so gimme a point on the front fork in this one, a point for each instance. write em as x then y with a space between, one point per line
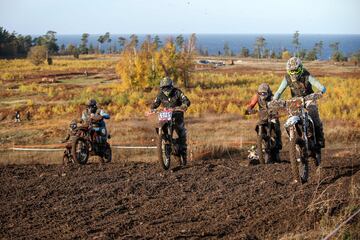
305 131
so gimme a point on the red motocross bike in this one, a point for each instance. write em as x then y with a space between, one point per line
88 140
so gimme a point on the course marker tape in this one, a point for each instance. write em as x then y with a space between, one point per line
62 149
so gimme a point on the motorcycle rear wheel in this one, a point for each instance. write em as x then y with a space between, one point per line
107 156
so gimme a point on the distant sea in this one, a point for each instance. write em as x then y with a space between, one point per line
215 42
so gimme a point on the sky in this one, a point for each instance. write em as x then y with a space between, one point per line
181 16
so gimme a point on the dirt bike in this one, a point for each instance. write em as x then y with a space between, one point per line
87 141
301 132
267 149
167 145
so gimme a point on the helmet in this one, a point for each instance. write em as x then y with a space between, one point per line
166 82
264 90
73 124
92 105
294 68
166 85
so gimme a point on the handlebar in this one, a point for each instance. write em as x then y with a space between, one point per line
294 102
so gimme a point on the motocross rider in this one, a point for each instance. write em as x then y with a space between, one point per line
71 130
171 97
300 82
261 98
96 117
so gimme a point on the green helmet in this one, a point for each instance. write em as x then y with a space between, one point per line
294 68
166 85
166 82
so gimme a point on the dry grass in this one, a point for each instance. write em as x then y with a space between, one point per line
215 118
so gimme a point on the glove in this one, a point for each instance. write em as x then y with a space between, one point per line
151 112
184 107
248 111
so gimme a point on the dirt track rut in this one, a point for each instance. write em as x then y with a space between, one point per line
208 199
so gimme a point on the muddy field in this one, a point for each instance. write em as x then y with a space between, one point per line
208 199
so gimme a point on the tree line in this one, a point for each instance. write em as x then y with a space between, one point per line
13 45
260 51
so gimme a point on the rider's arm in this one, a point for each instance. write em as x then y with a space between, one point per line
281 89
84 116
104 114
185 102
314 82
253 102
156 102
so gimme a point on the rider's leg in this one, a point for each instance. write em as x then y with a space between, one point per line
278 134
181 132
319 132
278 140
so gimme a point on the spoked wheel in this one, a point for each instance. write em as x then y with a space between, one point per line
164 152
80 151
299 162
107 157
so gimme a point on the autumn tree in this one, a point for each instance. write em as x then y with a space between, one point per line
144 67
37 55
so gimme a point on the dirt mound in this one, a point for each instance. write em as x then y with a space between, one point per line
209 198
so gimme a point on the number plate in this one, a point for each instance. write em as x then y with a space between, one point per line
165 116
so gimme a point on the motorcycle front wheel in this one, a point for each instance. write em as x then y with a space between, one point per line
299 162
164 151
80 151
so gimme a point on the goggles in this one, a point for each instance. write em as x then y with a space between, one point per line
295 72
263 94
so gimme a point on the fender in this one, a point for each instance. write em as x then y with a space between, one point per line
292 121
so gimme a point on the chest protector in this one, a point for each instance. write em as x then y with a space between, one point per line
302 87
171 101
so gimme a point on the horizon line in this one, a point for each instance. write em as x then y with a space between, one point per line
191 33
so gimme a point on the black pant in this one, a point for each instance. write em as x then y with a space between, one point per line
180 130
319 132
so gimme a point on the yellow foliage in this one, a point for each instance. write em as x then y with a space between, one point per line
139 69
